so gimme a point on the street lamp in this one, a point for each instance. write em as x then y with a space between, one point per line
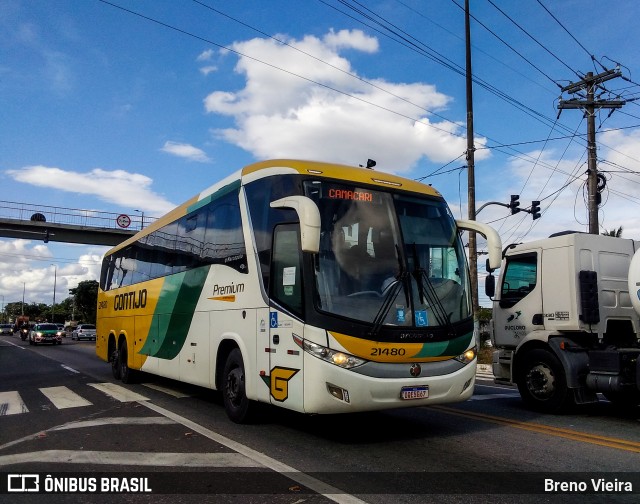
141 218
53 306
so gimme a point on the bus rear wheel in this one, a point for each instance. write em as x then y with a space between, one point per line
236 404
115 364
127 375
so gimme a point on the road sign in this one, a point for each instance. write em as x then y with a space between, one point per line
124 221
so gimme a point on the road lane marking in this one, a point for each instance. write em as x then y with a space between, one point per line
166 390
70 369
118 392
324 489
485 397
583 437
98 422
63 397
131 458
12 404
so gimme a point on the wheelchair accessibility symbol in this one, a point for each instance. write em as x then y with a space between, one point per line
273 320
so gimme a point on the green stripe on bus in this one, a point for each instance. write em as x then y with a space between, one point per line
174 313
454 347
223 191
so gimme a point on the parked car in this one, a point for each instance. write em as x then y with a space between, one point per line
45 333
6 329
84 331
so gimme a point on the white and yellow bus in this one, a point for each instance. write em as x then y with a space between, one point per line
317 287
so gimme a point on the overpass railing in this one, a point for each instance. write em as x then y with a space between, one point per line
73 216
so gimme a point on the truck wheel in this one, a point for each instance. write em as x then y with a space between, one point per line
542 382
236 404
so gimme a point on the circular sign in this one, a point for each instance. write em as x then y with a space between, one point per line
124 221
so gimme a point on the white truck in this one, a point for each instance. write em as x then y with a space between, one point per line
566 322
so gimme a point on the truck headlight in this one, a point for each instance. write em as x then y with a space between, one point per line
335 357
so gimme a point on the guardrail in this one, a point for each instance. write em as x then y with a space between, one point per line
73 216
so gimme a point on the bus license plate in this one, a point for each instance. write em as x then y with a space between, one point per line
407 393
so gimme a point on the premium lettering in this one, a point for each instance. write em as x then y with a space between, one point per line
225 290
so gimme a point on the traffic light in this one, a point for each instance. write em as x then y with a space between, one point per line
514 205
535 210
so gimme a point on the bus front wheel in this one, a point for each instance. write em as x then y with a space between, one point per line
236 403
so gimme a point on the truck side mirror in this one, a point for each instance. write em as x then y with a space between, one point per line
490 286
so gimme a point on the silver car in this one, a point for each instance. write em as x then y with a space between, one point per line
84 331
6 329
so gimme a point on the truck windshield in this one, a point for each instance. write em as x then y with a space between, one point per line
388 258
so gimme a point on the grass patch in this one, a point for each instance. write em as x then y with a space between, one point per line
485 355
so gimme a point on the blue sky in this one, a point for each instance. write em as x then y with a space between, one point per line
141 106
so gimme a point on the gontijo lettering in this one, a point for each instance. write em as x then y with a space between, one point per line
130 300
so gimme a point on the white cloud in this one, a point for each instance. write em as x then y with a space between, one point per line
279 114
27 269
206 70
185 151
116 187
205 55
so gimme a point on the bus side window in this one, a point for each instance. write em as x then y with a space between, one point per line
286 285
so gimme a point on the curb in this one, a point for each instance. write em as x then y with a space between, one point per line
485 368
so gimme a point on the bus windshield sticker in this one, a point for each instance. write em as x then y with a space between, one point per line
289 276
421 318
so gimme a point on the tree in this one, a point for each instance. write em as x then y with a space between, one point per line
86 300
616 233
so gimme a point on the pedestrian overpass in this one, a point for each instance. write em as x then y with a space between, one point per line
68 225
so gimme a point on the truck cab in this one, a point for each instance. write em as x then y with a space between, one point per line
564 326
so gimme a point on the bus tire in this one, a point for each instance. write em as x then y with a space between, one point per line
236 403
127 375
542 382
115 364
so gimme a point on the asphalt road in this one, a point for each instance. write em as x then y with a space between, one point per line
62 414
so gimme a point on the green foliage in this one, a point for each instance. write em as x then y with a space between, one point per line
485 314
616 233
86 300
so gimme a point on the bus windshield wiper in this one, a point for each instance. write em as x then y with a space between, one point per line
392 293
429 294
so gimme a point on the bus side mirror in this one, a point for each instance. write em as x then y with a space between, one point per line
309 216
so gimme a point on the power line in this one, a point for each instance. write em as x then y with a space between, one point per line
565 29
533 38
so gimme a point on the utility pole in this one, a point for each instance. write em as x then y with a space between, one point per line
471 180
589 84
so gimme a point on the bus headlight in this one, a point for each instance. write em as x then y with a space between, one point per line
341 359
467 357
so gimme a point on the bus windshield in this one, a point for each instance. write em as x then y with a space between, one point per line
388 258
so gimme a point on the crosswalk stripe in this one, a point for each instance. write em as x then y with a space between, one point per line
118 392
63 397
12 404
132 458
